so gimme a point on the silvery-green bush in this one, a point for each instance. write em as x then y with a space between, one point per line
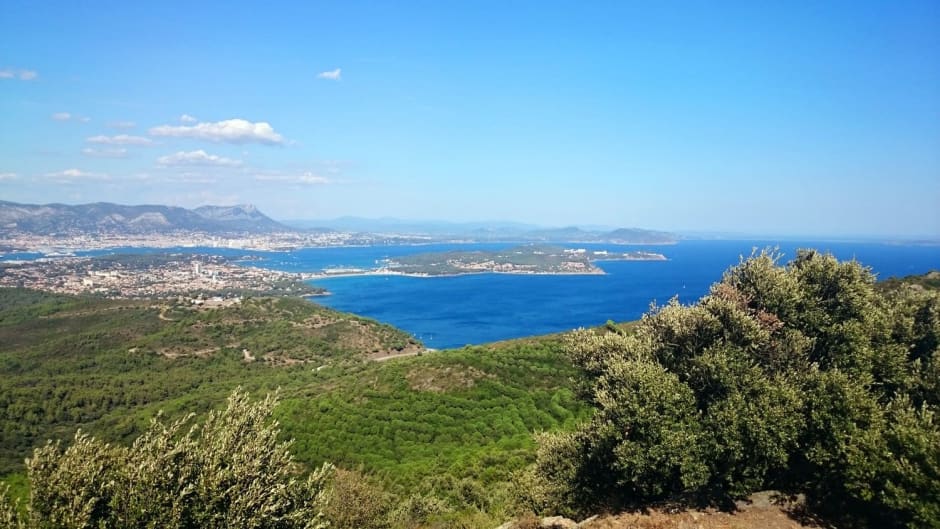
230 472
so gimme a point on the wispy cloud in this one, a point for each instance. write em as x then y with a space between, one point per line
69 176
120 139
199 157
332 75
186 177
305 178
66 116
22 75
228 131
119 152
186 118
122 124
7 176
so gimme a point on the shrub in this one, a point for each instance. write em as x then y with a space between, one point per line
804 377
229 472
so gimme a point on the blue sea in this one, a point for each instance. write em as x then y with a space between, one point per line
447 312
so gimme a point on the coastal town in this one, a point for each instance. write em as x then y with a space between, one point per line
201 276
152 276
13 241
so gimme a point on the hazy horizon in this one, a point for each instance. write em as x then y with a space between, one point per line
802 119
691 233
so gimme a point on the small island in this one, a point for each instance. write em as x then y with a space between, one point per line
526 259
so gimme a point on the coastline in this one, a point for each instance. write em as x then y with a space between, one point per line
69 245
320 276
595 271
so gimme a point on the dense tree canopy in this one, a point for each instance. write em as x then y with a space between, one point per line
804 377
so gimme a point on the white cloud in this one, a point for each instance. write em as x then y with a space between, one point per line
120 139
119 152
7 176
122 124
71 175
332 75
22 75
199 157
66 116
186 118
306 178
229 131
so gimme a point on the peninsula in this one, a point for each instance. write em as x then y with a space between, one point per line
152 276
526 259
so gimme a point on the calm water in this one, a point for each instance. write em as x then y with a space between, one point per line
455 311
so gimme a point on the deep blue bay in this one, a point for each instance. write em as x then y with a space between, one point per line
447 312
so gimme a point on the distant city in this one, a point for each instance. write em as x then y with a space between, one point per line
58 228
157 276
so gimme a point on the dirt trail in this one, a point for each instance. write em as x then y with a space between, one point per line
401 355
163 315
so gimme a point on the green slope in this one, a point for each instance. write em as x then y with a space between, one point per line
108 366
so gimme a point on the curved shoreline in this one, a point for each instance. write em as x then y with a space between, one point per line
320 276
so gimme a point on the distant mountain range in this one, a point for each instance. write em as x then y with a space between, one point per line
117 219
618 236
103 217
495 231
412 227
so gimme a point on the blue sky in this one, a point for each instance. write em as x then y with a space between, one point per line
801 118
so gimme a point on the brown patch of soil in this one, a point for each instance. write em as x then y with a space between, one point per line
764 510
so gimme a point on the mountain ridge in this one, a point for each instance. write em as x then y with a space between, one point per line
492 231
107 217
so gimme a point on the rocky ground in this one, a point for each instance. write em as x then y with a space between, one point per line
763 510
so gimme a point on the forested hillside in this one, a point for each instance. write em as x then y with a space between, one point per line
107 365
421 435
809 378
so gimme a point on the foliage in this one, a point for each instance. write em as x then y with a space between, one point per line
356 502
449 428
466 413
928 281
229 472
108 365
805 377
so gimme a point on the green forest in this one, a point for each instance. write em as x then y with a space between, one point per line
804 377
424 431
